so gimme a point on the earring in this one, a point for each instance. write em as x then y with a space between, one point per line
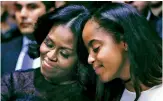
126 49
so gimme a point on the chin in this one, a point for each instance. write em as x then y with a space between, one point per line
105 79
47 75
26 31
44 73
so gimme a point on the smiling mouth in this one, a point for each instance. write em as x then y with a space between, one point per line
97 69
47 65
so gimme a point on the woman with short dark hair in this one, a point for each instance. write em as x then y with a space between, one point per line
61 76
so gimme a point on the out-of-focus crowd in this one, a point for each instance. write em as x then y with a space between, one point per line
8 21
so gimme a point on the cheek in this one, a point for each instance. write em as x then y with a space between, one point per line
111 55
36 14
17 17
43 49
141 5
69 63
111 60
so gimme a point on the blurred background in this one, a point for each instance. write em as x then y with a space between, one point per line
8 23
151 10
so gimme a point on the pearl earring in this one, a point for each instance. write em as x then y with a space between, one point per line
126 49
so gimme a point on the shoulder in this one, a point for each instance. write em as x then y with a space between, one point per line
156 93
159 21
78 93
70 92
16 39
155 20
18 78
11 46
20 85
10 34
12 43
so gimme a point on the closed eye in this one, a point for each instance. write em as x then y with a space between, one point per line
48 43
96 49
18 7
32 6
64 54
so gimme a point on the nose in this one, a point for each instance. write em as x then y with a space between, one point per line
52 55
24 12
91 59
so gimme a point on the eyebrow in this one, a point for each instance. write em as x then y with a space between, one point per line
32 3
62 46
17 4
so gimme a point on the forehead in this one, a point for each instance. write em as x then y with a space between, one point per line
93 31
91 28
62 34
23 3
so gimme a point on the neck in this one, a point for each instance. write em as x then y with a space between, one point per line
63 80
68 82
30 36
129 86
145 12
125 72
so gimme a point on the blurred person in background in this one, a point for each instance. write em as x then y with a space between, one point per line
156 7
144 9
15 52
9 28
91 5
58 4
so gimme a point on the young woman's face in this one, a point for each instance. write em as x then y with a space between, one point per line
58 53
105 55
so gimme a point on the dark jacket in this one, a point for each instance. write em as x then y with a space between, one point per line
156 23
9 54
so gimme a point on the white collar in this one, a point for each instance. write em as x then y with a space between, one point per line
26 41
149 15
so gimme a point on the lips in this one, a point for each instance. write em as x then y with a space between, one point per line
97 69
47 65
25 24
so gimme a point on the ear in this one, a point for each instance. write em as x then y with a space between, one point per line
125 46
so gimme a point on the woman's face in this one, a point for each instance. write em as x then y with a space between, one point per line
105 55
58 53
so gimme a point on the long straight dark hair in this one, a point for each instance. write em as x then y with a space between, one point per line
144 45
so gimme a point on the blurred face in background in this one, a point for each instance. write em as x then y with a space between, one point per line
2 8
27 13
58 54
59 3
141 6
8 6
